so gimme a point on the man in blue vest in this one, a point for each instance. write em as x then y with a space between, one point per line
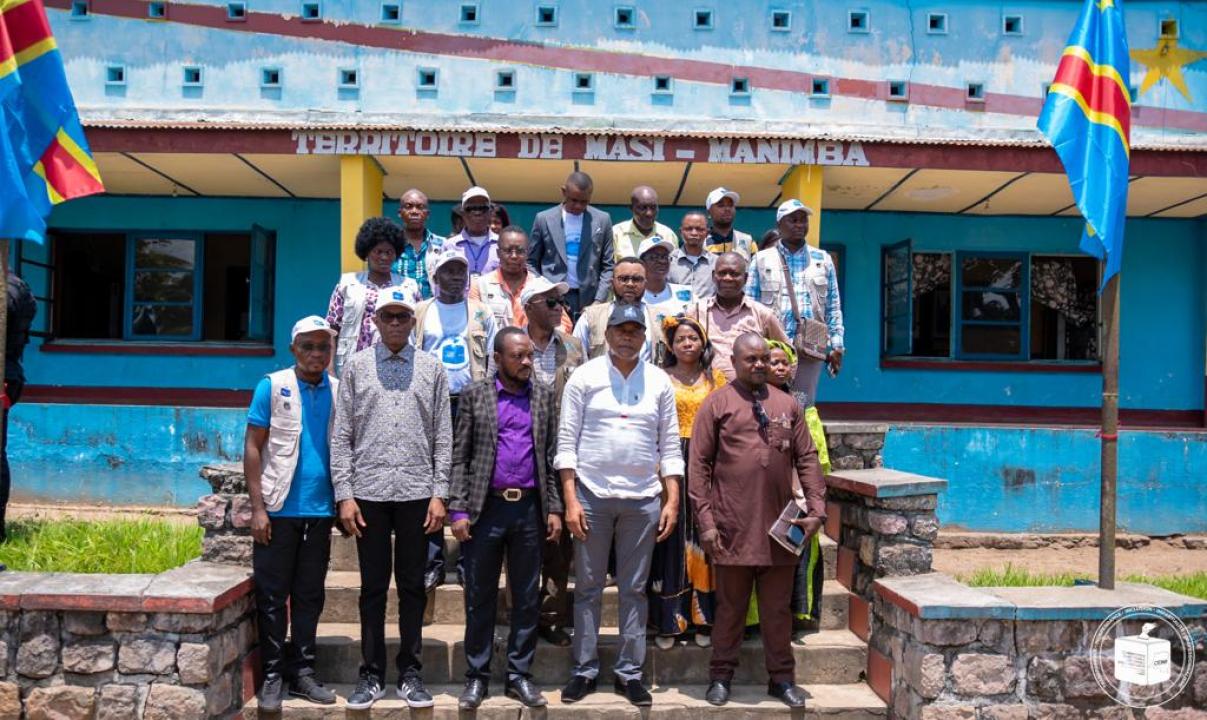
286 459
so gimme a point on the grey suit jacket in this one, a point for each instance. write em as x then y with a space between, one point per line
547 252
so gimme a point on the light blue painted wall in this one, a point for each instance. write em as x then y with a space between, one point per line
1163 299
897 47
1046 480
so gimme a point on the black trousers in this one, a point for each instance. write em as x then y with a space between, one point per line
291 568
435 541
557 599
405 520
12 389
515 531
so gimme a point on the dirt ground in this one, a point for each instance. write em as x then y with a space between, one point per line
1157 558
186 516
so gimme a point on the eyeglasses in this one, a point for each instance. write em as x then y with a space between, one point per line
630 279
389 318
314 347
761 416
476 209
512 251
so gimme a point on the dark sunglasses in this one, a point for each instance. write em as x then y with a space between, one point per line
476 209
315 347
389 318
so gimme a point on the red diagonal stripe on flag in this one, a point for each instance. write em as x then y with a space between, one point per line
66 175
1102 93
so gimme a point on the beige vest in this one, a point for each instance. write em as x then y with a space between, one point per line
279 456
352 287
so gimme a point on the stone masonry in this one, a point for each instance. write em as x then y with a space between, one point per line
125 647
951 651
855 445
226 516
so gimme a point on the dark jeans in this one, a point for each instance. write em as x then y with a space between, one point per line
290 573
435 541
13 389
376 556
517 531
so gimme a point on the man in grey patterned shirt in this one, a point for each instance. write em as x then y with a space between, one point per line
391 453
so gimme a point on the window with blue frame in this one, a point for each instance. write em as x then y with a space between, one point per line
167 287
991 306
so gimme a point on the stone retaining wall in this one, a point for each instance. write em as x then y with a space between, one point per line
945 651
226 516
173 646
854 445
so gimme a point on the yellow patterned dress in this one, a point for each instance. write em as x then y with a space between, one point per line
681 582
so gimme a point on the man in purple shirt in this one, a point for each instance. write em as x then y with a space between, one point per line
505 502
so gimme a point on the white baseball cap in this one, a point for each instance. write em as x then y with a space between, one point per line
448 256
473 192
788 207
715 196
397 296
310 323
652 242
539 286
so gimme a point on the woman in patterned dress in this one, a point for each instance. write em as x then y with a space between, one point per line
681 581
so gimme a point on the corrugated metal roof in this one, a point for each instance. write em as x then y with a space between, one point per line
974 138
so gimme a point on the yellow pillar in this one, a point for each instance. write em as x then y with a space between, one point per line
803 182
359 199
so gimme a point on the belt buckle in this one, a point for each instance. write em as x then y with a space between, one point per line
513 494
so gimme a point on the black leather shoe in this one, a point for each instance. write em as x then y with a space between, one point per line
633 691
523 690
272 692
789 694
554 636
578 688
474 693
718 692
432 580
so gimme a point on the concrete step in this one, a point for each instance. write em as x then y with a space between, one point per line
832 657
833 702
446 604
343 554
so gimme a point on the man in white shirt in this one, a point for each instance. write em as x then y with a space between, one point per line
667 299
619 426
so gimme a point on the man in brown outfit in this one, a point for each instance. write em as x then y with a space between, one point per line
740 481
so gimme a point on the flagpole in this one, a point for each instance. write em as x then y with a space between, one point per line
1109 434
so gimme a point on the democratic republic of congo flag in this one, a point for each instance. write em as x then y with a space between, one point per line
1087 118
44 158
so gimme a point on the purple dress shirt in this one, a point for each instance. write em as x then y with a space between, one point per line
515 457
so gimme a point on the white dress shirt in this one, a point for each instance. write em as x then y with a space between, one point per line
616 432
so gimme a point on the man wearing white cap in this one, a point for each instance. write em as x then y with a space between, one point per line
459 333
476 242
391 454
287 463
800 282
722 207
628 235
666 299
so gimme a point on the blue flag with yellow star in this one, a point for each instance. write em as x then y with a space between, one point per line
1087 118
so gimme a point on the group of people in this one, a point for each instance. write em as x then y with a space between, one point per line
616 399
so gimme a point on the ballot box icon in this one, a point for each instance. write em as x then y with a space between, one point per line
1142 660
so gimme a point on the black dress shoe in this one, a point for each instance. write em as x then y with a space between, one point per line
789 694
432 580
523 690
718 692
554 636
579 687
633 691
474 693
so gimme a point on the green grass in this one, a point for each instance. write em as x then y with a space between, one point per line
1192 584
106 546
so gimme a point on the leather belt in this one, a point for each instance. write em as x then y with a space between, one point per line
513 494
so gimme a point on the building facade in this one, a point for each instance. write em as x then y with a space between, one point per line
242 143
